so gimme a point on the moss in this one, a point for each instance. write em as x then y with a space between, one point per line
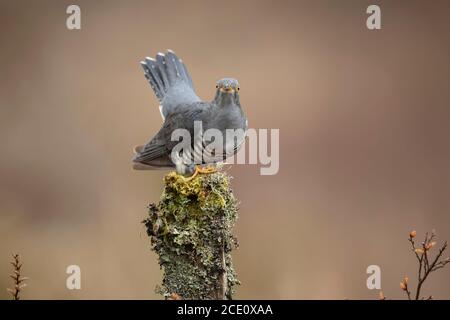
191 231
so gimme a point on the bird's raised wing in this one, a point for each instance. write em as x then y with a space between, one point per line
170 80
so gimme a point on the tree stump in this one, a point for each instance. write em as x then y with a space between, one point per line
191 231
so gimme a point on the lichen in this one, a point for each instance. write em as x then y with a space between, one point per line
191 231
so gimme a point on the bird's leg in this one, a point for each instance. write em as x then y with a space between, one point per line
199 169
193 175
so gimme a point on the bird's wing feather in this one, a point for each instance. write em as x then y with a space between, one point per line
161 144
170 80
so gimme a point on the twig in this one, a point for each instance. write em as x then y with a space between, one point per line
17 278
404 287
425 267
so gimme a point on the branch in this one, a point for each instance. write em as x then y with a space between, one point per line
423 258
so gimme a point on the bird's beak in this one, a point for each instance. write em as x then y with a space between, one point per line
227 89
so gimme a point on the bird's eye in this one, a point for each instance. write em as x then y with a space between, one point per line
238 88
217 86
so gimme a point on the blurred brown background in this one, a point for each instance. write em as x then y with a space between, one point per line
364 126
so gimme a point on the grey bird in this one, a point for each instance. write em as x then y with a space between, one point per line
180 108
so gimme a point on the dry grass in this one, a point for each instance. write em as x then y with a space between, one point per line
19 281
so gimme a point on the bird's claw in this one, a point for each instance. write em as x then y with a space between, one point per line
199 170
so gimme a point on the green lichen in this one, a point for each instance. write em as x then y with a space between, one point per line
191 231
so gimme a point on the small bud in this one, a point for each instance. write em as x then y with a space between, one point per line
430 245
404 284
419 250
381 295
413 234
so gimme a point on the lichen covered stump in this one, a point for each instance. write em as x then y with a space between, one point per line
191 231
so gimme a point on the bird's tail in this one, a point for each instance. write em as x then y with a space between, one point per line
165 72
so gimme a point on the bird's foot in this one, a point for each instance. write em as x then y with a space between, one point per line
199 170
206 170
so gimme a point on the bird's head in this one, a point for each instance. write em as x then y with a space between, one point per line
227 91
227 85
